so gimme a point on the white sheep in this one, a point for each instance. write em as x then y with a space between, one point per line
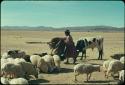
10 60
50 62
5 55
39 63
12 70
57 61
4 80
29 69
18 81
34 59
105 66
122 59
85 69
114 67
42 66
3 61
121 75
18 60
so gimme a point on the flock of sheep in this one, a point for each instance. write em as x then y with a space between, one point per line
112 66
18 68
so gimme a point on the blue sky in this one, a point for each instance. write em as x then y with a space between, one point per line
62 13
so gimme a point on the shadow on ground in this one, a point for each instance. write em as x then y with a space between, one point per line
66 70
97 59
62 70
100 81
38 81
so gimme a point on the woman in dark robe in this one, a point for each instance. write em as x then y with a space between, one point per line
70 50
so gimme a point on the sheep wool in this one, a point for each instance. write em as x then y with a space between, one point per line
39 62
121 75
50 62
114 67
85 69
105 66
122 59
57 61
18 81
4 80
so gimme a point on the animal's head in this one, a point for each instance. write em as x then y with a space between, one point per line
27 58
12 52
80 45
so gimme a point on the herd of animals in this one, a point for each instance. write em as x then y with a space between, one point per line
17 67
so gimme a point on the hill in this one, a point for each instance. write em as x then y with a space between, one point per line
76 28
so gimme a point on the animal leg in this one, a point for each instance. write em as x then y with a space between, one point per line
85 54
112 74
81 56
67 61
76 76
74 60
89 76
99 56
105 74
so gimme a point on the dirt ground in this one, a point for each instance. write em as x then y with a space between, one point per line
113 44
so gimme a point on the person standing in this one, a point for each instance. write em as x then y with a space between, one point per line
70 50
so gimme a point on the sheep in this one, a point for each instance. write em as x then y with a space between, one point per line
121 75
114 67
29 69
3 61
105 66
57 61
12 70
85 69
39 63
18 60
50 62
117 56
14 54
17 53
18 68
5 55
34 59
122 59
4 80
42 66
11 60
18 81
27 58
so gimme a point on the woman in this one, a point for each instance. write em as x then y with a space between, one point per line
70 50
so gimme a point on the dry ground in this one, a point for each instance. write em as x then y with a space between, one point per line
113 43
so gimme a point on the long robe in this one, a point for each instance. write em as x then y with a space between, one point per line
70 50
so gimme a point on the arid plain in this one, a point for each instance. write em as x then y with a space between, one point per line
113 44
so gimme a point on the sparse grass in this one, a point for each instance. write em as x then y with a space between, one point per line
113 43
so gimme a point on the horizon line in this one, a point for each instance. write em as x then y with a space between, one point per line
61 26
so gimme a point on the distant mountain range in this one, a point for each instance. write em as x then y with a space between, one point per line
76 28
